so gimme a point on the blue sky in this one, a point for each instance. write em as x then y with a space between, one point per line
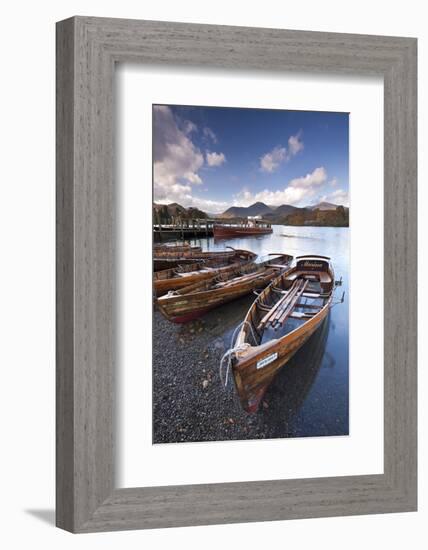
215 157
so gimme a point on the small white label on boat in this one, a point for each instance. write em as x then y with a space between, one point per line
266 360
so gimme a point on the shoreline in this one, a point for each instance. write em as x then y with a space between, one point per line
189 402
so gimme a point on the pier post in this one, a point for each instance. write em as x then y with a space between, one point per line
159 225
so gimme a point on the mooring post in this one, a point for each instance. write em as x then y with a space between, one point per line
159 225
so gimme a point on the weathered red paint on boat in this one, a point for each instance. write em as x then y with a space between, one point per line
189 316
239 231
254 405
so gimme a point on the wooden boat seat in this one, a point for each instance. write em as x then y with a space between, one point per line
278 290
302 314
324 277
187 273
277 266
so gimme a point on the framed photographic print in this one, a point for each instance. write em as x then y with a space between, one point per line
236 274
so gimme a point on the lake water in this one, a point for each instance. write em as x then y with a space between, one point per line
310 395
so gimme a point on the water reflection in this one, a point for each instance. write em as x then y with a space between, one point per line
291 386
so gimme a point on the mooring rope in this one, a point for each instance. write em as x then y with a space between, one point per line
234 349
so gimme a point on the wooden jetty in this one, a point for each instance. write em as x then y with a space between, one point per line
180 228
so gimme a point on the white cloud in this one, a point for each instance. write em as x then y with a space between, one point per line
177 161
317 177
340 196
213 207
269 162
183 195
176 158
215 159
333 182
294 145
297 192
193 178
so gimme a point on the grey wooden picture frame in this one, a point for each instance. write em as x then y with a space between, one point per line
87 51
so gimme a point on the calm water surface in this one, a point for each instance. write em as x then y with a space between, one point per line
310 394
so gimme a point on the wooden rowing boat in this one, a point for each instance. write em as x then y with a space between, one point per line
162 263
194 300
171 251
174 248
278 323
168 260
222 231
186 274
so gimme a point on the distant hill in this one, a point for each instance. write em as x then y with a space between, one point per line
269 213
279 215
322 214
166 212
256 209
324 206
285 209
339 217
174 209
195 213
272 212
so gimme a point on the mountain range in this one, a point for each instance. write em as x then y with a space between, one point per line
323 213
266 211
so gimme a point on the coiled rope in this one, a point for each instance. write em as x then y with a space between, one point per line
234 349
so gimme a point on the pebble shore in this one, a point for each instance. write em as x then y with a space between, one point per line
189 402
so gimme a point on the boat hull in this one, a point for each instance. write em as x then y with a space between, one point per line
191 316
181 309
159 264
164 282
170 260
252 380
175 249
194 301
226 232
162 286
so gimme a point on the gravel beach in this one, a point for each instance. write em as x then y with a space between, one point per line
190 403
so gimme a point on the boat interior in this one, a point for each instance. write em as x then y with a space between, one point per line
242 274
291 300
201 266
